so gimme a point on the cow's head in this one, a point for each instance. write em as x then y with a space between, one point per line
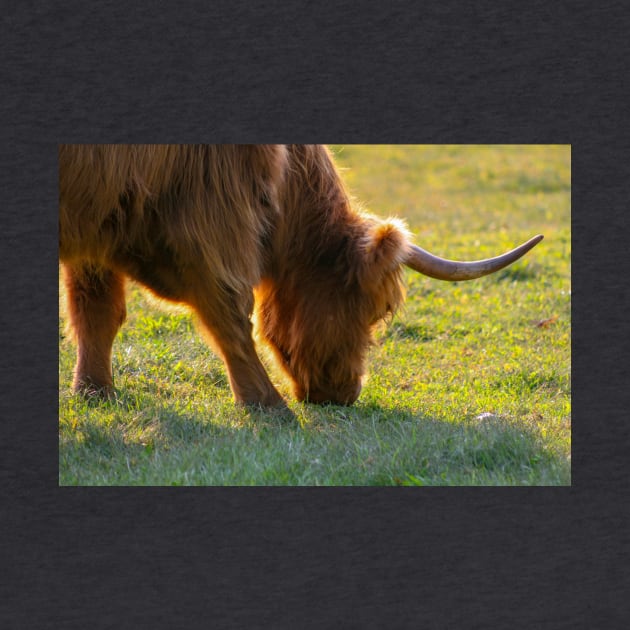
320 320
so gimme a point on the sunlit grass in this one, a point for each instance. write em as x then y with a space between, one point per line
468 385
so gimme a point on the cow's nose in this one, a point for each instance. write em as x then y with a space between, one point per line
337 396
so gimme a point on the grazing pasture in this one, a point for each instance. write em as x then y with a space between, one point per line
469 384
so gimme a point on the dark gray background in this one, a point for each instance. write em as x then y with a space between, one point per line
246 71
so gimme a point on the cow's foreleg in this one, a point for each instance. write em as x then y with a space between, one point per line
96 309
226 319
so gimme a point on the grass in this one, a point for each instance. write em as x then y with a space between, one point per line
468 385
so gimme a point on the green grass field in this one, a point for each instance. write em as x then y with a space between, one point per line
470 384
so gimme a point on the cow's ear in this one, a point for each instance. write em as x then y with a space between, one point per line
385 247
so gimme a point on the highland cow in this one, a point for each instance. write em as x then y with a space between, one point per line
236 231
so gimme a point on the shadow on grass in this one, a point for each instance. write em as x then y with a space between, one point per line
408 448
366 444
132 421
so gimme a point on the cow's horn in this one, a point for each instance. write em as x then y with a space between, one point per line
442 269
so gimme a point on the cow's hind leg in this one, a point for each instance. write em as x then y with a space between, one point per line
96 309
225 315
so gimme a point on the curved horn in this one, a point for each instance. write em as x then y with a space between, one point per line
442 269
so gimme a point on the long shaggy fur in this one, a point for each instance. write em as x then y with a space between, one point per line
207 225
334 274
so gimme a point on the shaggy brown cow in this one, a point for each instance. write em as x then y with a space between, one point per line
229 229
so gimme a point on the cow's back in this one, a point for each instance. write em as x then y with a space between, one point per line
205 204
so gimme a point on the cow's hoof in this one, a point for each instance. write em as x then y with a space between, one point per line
94 393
